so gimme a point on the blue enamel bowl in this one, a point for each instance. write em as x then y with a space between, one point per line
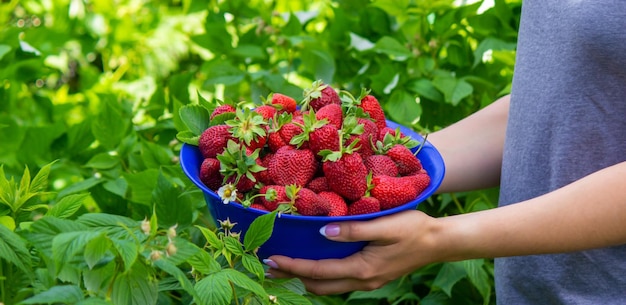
298 236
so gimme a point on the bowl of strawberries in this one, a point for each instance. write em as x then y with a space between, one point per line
330 157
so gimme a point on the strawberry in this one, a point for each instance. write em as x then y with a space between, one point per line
405 159
292 166
393 191
250 128
240 165
292 129
345 172
381 165
309 203
318 184
210 173
420 180
286 103
365 205
371 106
338 206
275 141
319 95
259 206
333 113
213 140
276 196
324 138
384 131
264 175
266 111
226 108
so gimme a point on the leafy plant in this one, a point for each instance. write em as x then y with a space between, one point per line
91 95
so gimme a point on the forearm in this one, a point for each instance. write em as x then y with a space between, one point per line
472 148
588 213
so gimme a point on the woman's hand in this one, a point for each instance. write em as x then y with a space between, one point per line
399 244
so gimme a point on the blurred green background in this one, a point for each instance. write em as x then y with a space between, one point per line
90 92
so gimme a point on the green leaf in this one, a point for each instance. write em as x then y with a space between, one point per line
66 294
479 277
402 107
141 185
390 46
178 274
453 89
96 249
42 232
204 263
102 161
67 206
13 250
424 88
8 222
67 246
4 49
252 264
243 281
127 250
359 43
450 274
287 297
211 238
233 245
195 117
109 134
188 137
214 289
135 287
170 207
259 231
80 186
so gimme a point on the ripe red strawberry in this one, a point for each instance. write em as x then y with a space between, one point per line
333 113
278 197
213 140
259 206
366 138
381 165
325 137
292 166
275 141
371 106
319 95
222 109
365 205
309 203
266 111
405 159
345 172
264 175
420 180
318 185
244 184
338 206
393 191
286 103
250 128
386 130
290 130
210 173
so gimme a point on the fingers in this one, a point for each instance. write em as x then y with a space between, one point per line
381 229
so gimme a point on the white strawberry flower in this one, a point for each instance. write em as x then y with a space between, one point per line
227 193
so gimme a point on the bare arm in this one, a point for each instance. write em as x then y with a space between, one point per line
472 148
588 213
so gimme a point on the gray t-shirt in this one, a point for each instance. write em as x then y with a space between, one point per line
567 120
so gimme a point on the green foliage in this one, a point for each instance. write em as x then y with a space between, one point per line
95 101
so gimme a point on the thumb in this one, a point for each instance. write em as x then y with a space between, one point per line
379 229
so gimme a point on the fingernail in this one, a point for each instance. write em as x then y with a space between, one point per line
269 275
330 230
270 263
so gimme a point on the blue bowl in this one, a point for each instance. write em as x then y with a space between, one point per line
298 236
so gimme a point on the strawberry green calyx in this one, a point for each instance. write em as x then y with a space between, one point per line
312 93
236 161
289 207
389 140
310 124
247 126
333 156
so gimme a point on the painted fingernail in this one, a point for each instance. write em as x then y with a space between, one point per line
270 263
330 230
269 275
